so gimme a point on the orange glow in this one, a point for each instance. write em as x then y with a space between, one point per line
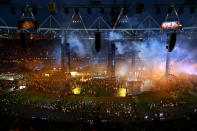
28 25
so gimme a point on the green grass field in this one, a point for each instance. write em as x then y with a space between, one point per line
141 100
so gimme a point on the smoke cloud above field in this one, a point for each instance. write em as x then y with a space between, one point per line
152 50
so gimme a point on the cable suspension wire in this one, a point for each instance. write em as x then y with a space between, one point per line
94 22
81 19
69 24
174 14
148 18
83 24
118 19
105 22
5 24
44 21
100 18
58 24
127 20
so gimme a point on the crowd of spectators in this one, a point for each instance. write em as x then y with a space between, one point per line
4 84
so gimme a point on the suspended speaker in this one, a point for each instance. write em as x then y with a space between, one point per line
97 41
139 7
172 42
52 8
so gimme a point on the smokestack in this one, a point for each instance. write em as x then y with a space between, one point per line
133 64
62 57
68 56
111 60
113 49
168 64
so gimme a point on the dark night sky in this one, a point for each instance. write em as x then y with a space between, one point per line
186 18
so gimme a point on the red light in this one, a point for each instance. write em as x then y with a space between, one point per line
32 36
171 25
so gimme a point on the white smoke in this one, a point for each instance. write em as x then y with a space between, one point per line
115 36
79 46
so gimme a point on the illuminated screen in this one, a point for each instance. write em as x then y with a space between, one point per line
28 25
171 25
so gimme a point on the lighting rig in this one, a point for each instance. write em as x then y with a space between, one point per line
171 26
27 22
123 18
28 11
76 17
102 7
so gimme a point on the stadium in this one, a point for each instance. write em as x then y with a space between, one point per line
98 65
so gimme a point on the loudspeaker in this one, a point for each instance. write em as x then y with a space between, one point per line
97 41
172 42
52 7
139 7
